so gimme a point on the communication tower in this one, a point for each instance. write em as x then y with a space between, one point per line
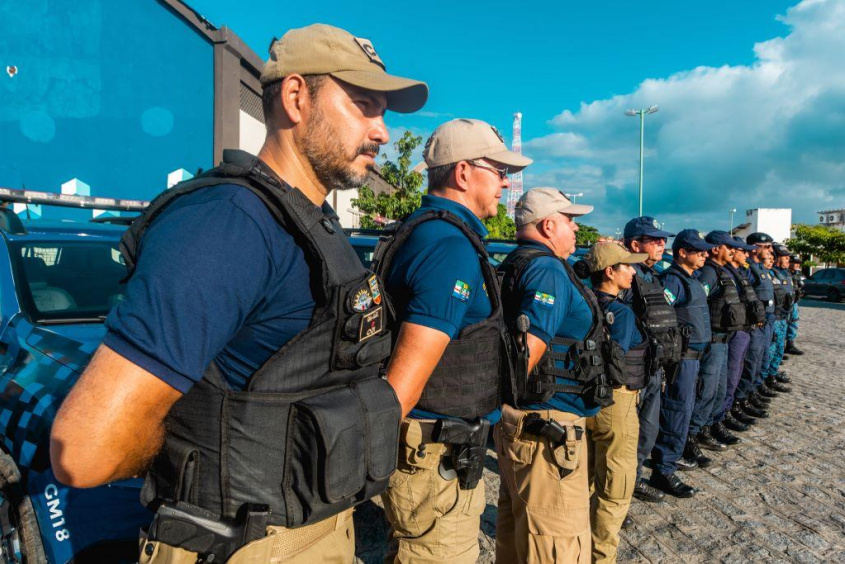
515 191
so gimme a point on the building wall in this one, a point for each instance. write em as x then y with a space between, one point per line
777 222
833 218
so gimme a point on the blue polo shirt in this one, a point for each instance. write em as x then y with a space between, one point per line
555 308
218 280
435 279
624 328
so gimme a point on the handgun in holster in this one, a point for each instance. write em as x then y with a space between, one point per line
469 447
195 529
557 435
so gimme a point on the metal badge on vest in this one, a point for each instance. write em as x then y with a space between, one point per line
467 382
317 429
586 356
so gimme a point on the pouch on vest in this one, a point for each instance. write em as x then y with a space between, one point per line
614 363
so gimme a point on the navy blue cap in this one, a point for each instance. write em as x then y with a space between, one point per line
795 259
690 239
717 237
645 226
780 250
758 237
740 244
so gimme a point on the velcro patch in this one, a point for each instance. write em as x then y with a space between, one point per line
461 290
368 48
547 300
372 324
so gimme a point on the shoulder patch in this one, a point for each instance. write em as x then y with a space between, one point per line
547 300
706 289
670 297
461 290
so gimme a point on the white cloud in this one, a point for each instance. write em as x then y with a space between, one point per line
770 134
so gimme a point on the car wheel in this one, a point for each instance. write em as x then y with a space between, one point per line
833 295
20 538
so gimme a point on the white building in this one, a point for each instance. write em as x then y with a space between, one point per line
833 218
777 222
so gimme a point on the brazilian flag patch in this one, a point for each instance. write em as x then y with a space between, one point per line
461 290
547 300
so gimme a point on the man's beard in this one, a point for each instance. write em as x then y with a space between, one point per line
325 154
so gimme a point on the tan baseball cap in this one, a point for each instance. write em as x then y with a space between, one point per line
467 139
323 49
540 203
610 253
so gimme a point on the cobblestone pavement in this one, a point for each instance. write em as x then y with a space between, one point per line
779 496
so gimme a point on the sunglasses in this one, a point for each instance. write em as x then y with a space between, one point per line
502 172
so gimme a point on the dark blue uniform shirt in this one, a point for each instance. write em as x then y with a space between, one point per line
555 308
218 280
624 328
435 279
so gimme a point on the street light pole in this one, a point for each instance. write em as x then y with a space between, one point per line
642 113
731 225
572 197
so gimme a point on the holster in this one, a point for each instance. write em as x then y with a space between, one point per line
562 438
469 447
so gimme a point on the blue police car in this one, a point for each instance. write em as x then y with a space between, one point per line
58 281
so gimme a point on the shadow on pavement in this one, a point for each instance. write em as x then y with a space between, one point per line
821 304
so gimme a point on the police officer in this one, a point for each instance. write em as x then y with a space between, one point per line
798 279
544 500
645 235
784 295
727 314
447 363
614 431
725 417
688 297
751 389
227 270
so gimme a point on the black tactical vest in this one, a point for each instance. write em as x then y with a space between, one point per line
695 312
755 309
634 364
763 285
784 292
316 430
659 320
586 357
727 312
468 380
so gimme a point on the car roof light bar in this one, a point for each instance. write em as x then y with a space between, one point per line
69 200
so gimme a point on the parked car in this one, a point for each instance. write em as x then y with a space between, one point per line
58 282
826 283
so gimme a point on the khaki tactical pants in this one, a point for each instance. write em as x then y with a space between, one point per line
431 518
331 540
543 517
612 440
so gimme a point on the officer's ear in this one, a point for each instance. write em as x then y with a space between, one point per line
294 97
460 175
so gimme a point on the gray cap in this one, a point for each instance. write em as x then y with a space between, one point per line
469 139
540 203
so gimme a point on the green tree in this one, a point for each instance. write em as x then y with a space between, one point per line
501 226
823 242
587 235
407 196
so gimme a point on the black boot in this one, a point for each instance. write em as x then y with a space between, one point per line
777 386
644 492
792 349
753 411
627 522
693 452
766 392
760 399
757 402
721 434
735 424
685 464
783 378
671 484
741 416
706 440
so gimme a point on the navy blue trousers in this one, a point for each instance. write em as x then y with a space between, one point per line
676 404
649 415
737 348
758 347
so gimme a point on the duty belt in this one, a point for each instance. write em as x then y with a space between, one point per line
692 355
721 337
468 442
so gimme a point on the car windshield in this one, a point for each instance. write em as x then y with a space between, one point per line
68 281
